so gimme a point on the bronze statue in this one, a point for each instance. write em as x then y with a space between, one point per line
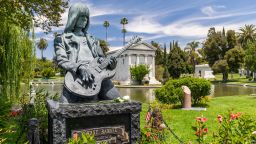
76 50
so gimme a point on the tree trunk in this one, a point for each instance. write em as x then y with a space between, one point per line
42 54
106 34
224 76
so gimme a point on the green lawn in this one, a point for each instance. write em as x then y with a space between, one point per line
234 79
181 121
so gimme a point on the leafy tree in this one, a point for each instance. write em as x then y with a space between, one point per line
48 72
235 58
177 62
106 25
215 48
158 53
45 14
247 35
138 72
42 45
221 66
192 54
104 46
250 54
231 39
124 21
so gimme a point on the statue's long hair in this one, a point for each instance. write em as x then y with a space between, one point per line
75 11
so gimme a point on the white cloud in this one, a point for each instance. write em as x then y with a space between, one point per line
208 10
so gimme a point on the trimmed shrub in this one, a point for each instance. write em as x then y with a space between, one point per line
172 93
48 72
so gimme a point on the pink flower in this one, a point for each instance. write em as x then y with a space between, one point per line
219 118
201 119
75 136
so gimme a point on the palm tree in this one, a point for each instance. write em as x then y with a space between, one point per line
247 34
42 45
124 21
193 45
106 25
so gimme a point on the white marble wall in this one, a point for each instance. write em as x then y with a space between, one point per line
133 57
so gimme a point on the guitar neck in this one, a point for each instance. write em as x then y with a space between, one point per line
104 64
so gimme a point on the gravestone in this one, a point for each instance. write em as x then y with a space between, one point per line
87 101
110 122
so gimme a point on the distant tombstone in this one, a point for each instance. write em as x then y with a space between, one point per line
187 97
33 132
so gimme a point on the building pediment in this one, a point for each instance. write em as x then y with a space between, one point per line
142 46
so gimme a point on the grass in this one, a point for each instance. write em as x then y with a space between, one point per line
234 79
181 121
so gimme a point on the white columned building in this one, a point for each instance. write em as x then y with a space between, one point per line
140 53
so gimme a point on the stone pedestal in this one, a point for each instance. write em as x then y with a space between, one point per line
187 97
110 122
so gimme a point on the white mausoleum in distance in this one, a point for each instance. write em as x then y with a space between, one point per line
140 53
204 71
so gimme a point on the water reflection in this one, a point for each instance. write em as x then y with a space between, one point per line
147 94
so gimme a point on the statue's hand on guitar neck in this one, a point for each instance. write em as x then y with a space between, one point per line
85 74
112 63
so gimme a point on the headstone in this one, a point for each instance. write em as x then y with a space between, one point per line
109 122
187 97
33 132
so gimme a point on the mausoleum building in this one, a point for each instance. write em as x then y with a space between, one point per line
140 53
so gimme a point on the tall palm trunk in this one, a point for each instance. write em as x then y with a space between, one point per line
106 34
123 36
42 53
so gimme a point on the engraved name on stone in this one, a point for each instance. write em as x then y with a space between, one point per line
116 134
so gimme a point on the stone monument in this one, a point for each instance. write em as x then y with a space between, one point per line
86 104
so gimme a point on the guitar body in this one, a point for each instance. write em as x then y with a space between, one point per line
74 84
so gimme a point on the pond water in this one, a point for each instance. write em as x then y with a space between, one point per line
147 94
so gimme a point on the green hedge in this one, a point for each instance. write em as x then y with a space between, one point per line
171 92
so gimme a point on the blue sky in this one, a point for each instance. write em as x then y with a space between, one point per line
160 20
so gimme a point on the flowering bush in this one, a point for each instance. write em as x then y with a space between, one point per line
235 128
154 130
200 129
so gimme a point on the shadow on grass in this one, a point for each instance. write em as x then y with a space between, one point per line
204 105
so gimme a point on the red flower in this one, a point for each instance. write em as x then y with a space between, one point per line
75 136
238 115
201 119
219 118
148 134
13 113
234 116
205 130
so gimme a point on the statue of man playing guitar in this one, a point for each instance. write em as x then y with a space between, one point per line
75 50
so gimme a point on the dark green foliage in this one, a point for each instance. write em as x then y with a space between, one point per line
16 60
45 66
172 93
215 49
46 13
235 58
221 66
48 72
138 72
177 62
37 110
250 56
159 53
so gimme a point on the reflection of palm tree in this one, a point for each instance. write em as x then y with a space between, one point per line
42 45
124 21
193 45
247 34
106 25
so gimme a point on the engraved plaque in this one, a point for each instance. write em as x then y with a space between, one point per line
110 135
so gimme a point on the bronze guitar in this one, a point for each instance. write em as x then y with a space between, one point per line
77 86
